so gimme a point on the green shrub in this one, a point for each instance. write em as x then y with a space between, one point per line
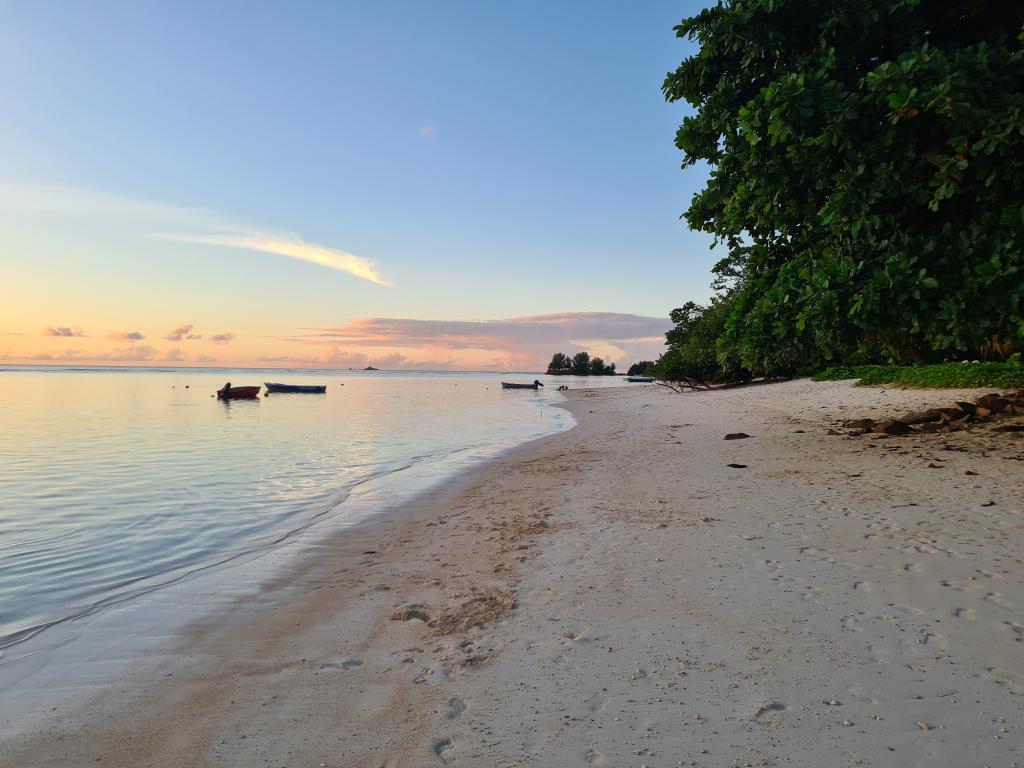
944 375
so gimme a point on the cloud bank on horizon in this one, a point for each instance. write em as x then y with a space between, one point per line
519 343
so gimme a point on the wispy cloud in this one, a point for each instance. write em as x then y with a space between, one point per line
291 246
127 336
62 330
177 224
222 338
183 332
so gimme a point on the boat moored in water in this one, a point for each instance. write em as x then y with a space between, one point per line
306 389
227 392
640 379
536 385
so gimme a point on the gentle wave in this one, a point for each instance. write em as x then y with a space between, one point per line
119 482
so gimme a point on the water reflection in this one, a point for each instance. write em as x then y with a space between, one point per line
116 481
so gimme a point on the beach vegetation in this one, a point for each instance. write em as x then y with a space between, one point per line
1008 374
693 352
643 368
866 185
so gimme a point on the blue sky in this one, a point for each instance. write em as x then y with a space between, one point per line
492 160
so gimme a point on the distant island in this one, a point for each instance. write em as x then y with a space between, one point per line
580 364
370 368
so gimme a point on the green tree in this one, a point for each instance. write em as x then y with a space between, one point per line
867 175
560 363
597 367
581 364
693 345
643 368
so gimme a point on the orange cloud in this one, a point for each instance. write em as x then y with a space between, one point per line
134 354
222 338
62 330
132 336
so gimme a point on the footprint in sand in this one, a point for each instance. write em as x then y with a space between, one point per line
454 708
769 708
441 748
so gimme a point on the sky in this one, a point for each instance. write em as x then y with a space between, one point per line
450 185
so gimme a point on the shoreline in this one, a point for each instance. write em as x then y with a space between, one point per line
142 625
617 595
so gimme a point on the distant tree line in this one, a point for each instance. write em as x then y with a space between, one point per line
580 364
867 184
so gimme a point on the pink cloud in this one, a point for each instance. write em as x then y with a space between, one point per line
174 355
222 338
183 332
132 336
62 330
520 342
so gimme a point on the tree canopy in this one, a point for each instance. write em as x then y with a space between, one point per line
867 177
580 364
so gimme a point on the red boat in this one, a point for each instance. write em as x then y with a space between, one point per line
227 392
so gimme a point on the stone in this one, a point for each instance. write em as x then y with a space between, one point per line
892 427
859 424
920 417
736 436
993 403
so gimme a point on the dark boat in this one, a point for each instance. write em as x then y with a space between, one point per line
306 389
536 384
641 379
228 392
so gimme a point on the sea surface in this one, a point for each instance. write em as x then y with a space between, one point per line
118 482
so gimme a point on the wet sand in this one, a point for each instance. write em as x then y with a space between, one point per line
618 595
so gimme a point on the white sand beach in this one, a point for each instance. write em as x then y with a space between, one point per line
618 595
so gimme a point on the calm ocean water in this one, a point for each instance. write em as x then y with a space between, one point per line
115 482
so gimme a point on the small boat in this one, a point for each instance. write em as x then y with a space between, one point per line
640 379
536 384
306 389
227 392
